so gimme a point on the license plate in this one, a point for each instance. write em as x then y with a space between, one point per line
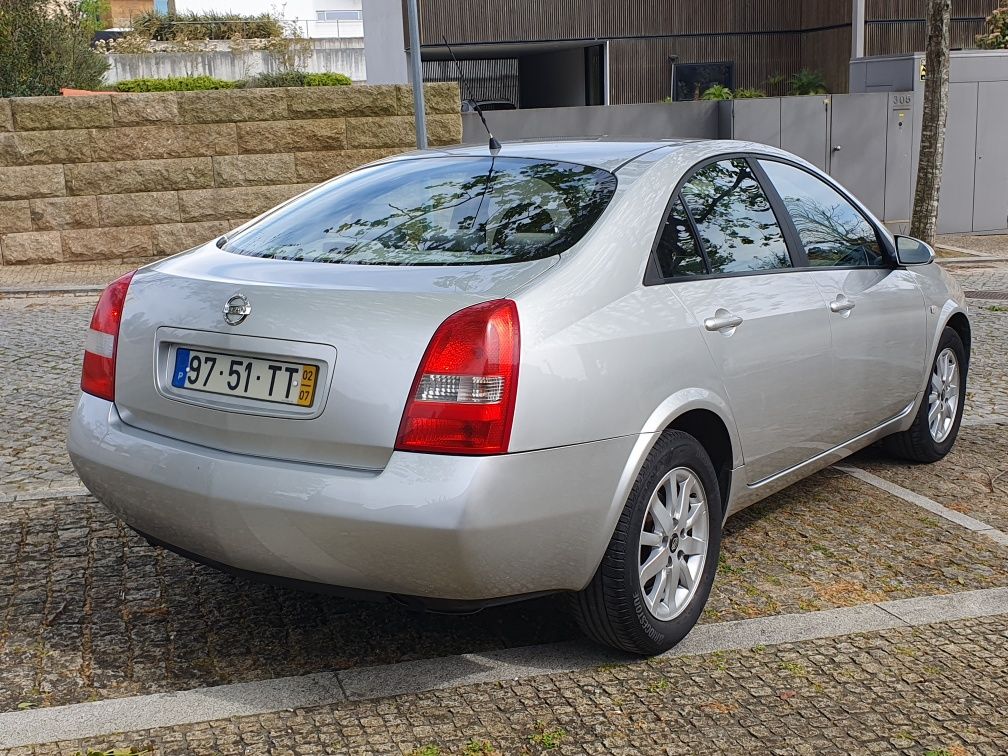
250 377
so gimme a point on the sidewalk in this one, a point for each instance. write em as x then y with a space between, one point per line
72 278
901 690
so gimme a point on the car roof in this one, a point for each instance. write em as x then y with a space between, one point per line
598 153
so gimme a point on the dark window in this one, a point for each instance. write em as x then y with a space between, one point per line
691 80
677 252
737 226
832 231
436 211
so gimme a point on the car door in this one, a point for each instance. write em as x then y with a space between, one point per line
876 311
724 255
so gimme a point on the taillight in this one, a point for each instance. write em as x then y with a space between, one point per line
463 396
98 374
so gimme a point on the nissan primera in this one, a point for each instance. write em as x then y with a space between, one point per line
460 378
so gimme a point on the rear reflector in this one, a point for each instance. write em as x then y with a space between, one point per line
463 396
98 373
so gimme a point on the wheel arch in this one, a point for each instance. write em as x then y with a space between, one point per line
699 412
959 323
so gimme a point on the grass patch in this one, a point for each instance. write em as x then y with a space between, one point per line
479 748
548 739
795 668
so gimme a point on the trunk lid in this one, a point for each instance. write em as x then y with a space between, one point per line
365 327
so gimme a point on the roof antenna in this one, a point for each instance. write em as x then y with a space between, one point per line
495 146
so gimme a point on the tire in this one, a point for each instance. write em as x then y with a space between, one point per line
614 609
918 443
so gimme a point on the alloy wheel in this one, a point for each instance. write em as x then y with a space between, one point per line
673 543
943 398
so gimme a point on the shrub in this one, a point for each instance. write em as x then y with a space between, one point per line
807 82
262 81
173 27
749 94
297 79
717 92
996 36
45 46
174 84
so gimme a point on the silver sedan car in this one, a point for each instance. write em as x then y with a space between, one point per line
458 378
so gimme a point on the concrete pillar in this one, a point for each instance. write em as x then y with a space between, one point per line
857 29
385 56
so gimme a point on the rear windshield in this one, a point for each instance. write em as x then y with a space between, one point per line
436 211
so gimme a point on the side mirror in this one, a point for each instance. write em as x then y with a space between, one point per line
910 251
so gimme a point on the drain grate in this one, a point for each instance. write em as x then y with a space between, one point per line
982 294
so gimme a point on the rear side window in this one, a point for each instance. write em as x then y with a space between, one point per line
677 252
737 226
437 211
832 231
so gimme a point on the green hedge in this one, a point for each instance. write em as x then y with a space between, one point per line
262 81
174 84
297 79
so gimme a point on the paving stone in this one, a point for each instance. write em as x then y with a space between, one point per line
972 479
912 690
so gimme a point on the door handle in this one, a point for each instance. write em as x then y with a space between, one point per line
841 304
722 321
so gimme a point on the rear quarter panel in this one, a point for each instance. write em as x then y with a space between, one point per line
602 354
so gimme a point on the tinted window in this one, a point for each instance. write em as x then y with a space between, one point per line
436 211
677 252
832 230
737 226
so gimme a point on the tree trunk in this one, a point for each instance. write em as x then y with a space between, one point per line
932 148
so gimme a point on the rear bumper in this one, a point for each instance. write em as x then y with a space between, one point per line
442 527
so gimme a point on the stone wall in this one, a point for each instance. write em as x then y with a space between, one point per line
130 176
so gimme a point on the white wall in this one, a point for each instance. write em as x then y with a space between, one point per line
345 56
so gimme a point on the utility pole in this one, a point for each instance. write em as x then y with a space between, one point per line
419 116
932 148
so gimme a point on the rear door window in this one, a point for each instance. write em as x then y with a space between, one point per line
436 211
737 225
833 232
678 253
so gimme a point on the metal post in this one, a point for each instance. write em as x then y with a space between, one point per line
857 29
419 116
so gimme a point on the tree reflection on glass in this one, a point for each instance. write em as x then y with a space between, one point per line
437 211
832 231
677 251
737 226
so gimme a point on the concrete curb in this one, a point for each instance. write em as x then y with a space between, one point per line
8 292
970 523
102 718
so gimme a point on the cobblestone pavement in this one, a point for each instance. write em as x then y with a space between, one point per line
937 689
41 344
89 610
972 479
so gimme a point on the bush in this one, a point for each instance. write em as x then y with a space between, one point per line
297 79
717 92
996 36
174 84
179 27
749 94
262 81
46 45
807 82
